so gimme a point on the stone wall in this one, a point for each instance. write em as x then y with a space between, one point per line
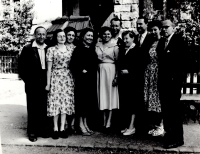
127 11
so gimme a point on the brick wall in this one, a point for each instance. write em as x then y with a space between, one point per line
127 11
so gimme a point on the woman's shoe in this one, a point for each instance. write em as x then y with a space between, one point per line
89 130
129 132
123 131
103 129
108 130
63 134
84 132
151 131
73 130
159 131
55 135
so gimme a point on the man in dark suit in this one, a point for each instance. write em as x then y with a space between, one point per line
32 70
143 43
171 55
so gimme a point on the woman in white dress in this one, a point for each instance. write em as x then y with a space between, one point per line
107 89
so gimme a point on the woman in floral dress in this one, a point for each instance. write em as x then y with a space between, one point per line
59 80
151 93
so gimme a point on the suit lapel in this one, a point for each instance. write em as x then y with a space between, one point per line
45 50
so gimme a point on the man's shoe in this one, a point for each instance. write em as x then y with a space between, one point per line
129 132
173 145
32 137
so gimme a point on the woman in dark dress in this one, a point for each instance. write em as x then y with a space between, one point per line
84 69
126 83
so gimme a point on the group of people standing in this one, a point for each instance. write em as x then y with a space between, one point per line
124 81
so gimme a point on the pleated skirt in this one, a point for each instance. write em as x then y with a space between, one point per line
108 97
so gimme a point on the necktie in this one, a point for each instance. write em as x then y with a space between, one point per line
166 43
140 40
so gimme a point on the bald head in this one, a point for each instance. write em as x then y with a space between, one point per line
167 28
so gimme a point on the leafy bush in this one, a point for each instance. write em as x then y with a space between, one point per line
15 29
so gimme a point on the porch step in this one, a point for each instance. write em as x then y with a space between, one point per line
9 76
194 97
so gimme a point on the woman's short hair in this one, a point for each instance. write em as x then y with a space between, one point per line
154 23
132 34
69 29
84 31
104 29
54 40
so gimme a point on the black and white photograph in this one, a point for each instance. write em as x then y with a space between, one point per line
99 76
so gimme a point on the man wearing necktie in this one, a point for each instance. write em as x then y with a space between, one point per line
171 55
143 43
32 70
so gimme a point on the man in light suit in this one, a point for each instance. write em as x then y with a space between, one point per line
116 26
171 55
32 70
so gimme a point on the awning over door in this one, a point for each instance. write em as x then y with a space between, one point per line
78 22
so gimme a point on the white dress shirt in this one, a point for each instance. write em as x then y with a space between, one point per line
41 52
168 39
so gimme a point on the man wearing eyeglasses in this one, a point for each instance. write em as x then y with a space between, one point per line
171 54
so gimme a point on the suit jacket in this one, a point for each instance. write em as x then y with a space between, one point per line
171 65
145 47
30 69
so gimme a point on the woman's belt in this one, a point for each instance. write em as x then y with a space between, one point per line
106 62
60 68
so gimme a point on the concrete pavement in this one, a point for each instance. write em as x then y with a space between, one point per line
13 123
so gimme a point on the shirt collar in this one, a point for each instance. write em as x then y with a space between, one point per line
144 34
170 37
131 47
35 44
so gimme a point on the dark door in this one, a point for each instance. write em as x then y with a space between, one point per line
98 10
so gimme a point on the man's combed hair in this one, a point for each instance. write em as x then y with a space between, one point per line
116 19
144 18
